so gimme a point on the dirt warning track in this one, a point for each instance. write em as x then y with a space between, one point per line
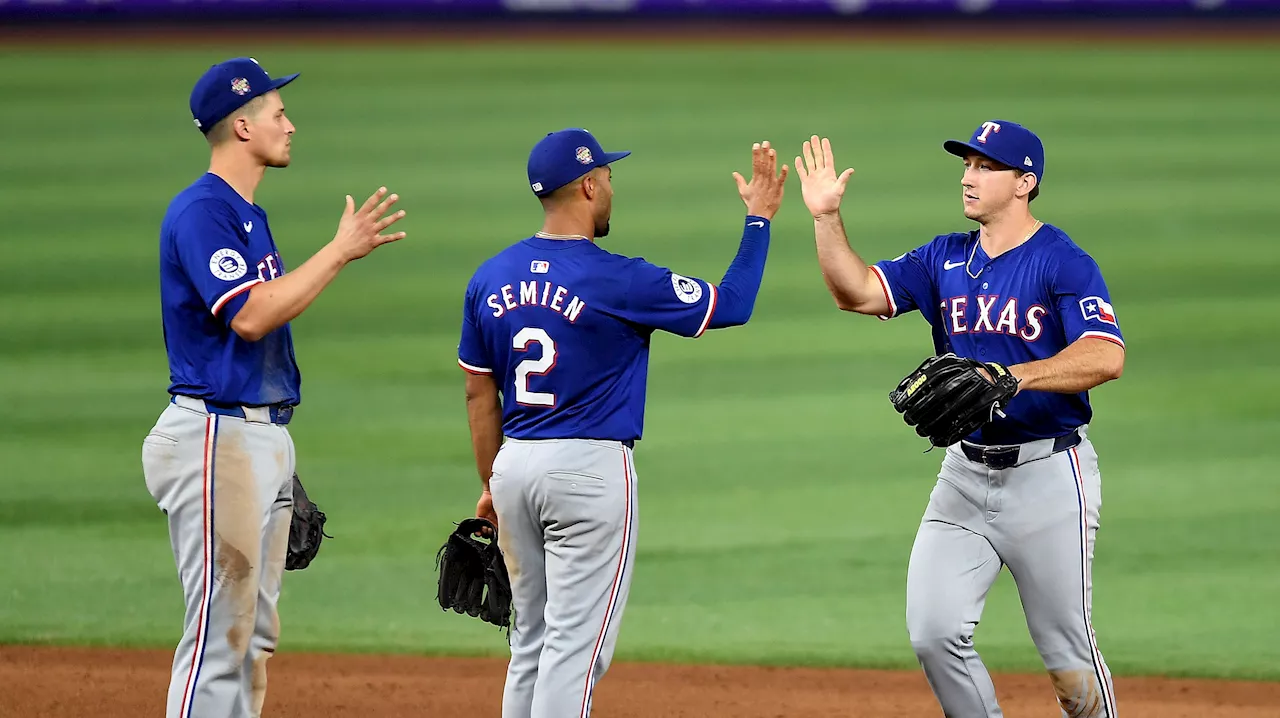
44 682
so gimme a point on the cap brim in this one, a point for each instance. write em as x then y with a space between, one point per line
282 81
961 149
611 157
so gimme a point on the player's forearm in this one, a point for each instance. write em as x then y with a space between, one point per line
740 286
848 278
484 415
1083 365
273 304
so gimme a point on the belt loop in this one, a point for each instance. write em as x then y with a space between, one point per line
257 414
190 402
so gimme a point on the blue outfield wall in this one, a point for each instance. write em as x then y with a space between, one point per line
138 10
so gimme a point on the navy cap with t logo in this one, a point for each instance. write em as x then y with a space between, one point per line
564 156
1008 143
227 86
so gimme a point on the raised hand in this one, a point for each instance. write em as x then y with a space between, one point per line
763 194
359 230
819 185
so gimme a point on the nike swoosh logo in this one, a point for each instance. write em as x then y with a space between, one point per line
248 226
755 224
951 265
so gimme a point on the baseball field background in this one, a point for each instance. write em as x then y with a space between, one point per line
779 491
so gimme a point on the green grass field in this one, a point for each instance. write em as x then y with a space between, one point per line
780 492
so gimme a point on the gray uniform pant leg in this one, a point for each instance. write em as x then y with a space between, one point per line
1048 546
952 567
1040 519
567 519
224 484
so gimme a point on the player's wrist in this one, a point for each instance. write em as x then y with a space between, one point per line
336 254
1022 374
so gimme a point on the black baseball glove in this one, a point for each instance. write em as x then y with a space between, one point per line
947 398
306 529
473 574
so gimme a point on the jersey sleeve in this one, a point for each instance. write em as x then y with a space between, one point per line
906 280
473 356
209 247
1084 302
658 298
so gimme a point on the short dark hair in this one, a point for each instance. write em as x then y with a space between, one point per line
222 131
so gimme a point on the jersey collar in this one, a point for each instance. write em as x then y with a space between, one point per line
978 259
220 185
543 243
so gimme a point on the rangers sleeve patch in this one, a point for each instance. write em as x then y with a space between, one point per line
1098 309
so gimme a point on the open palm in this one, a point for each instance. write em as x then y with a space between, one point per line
819 185
763 194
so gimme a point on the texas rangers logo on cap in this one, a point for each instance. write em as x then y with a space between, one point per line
584 155
1006 142
240 86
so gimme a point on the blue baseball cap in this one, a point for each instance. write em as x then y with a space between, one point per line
1008 143
564 156
227 86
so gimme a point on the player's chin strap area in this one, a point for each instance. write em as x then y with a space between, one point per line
1005 457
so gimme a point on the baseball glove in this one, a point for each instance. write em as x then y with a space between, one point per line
947 398
473 575
306 529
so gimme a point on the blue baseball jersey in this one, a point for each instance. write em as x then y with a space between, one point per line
564 327
214 247
1026 304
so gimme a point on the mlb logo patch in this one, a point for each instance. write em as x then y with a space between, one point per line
1098 309
539 266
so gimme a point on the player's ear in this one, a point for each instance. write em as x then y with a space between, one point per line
1027 181
240 128
589 187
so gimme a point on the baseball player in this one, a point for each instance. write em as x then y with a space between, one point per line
1023 491
560 329
219 461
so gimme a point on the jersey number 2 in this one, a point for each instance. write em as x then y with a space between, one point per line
534 367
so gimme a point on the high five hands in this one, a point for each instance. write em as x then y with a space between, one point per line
821 188
819 185
763 194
